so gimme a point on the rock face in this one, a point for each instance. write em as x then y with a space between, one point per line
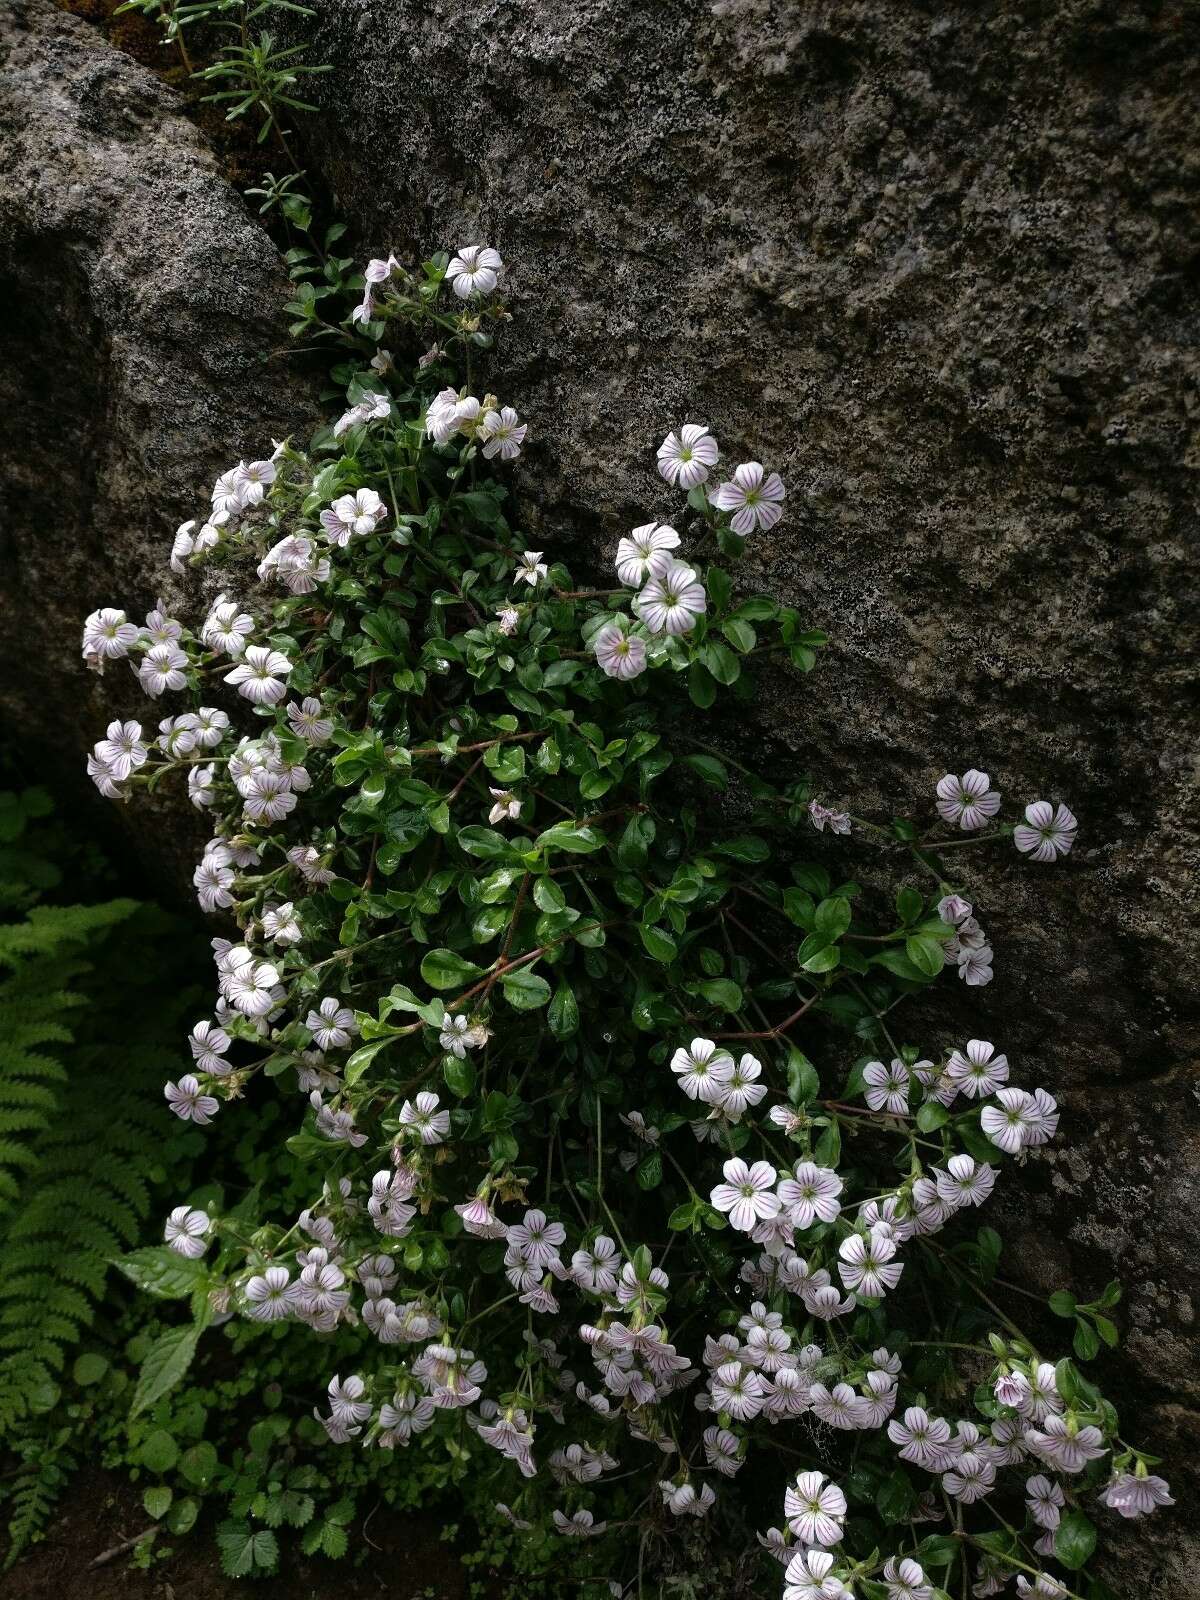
937 264
140 301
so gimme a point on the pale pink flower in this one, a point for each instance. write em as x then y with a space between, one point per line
755 499
967 801
1046 833
747 1193
619 654
685 457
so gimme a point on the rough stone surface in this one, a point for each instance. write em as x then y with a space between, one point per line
139 303
938 264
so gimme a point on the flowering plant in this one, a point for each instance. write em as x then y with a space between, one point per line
544 972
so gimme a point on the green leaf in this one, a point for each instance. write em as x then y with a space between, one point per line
895 1497
702 688
1086 1342
1074 1540
925 953
459 1075
159 1270
1107 1330
445 969
683 1216
525 990
908 904
710 769
565 836
563 1015
633 849
199 1464
747 847
1062 1303
938 1550
833 917
723 993
361 1059
157 1501
159 1451
166 1361
896 961
485 843
818 953
243 1551
658 944
547 896
649 1172
803 1082
932 1115
740 634
89 1368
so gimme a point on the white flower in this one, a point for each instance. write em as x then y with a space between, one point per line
267 796
308 723
980 1071
755 499
815 1509
810 1194
252 480
226 629
504 434
887 1087
1134 1494
260 676
505 806
685 457
1007 1123
122 750
645 553
741 1089
619 654
970 1478
537 1238
747 1193
703 1070
251 988
1042 1118
1064 1445
967 801
1046 833
213 879
905 1579
281 925
270 1295
738 1390
809 1576
441 416
922 1438
211 727
867 1266
161 669
353 516
208 1044
474 270
107 636
331 1025
531 568
1045 1500
672 599
422 1114
964 1182
184 1231
188 1103
975 966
